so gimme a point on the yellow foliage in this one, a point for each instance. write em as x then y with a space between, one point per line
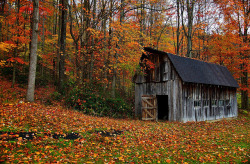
1 19
2 63
6 46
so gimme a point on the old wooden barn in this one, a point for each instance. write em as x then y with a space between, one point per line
182 89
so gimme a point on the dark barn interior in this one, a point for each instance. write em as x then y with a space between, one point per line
162 101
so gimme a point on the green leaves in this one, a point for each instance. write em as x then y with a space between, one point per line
98 105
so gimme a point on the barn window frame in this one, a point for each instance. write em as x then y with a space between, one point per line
166 71
197 103
206 103
214 103
221 103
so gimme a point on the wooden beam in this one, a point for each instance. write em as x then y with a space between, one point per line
149 113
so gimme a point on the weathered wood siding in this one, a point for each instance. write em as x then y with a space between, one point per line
167 82
186 101
206 102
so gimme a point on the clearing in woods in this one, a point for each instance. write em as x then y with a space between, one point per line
34 132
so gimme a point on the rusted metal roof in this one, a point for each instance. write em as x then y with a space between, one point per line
196 71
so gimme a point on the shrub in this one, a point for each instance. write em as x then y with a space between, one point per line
22 73
56 96
98 105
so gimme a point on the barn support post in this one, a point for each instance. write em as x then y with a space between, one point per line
138 92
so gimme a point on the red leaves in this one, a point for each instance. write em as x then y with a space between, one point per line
17 59
9 42
150 64
140 142
27 8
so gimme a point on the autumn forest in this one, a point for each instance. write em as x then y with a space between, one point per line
100 42
61 55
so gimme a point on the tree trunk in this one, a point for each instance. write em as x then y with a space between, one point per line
178 29
85 21
33 53
76 42
42 47
244 93
2 14
189 31
54 47
92 42
109 46
245 57
16 48
55 18
58 41
190 10
62 45
142 22
105 58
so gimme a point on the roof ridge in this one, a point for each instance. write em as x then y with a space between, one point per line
198 71
185 57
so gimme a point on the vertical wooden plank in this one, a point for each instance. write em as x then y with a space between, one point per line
185 118
174 100
180 101
143 105
149 108
171 111
137 100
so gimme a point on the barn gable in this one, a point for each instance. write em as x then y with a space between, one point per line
195 71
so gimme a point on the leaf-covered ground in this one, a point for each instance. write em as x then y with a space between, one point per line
107 140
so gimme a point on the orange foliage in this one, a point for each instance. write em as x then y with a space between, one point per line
139 142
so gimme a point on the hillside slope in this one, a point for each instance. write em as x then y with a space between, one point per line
103 140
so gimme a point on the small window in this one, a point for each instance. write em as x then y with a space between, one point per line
205 102
165 72
157 72
214 102
221 102
197 103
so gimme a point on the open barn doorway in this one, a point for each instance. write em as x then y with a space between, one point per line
162 102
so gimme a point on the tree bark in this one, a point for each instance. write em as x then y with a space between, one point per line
190 10
105 57
142 22
178 28
113 82
59 23
17 43
189 31
33 53
85 22
245 57
62 45
2 14
93 42
76 41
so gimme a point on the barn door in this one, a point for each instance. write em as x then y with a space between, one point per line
149 107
